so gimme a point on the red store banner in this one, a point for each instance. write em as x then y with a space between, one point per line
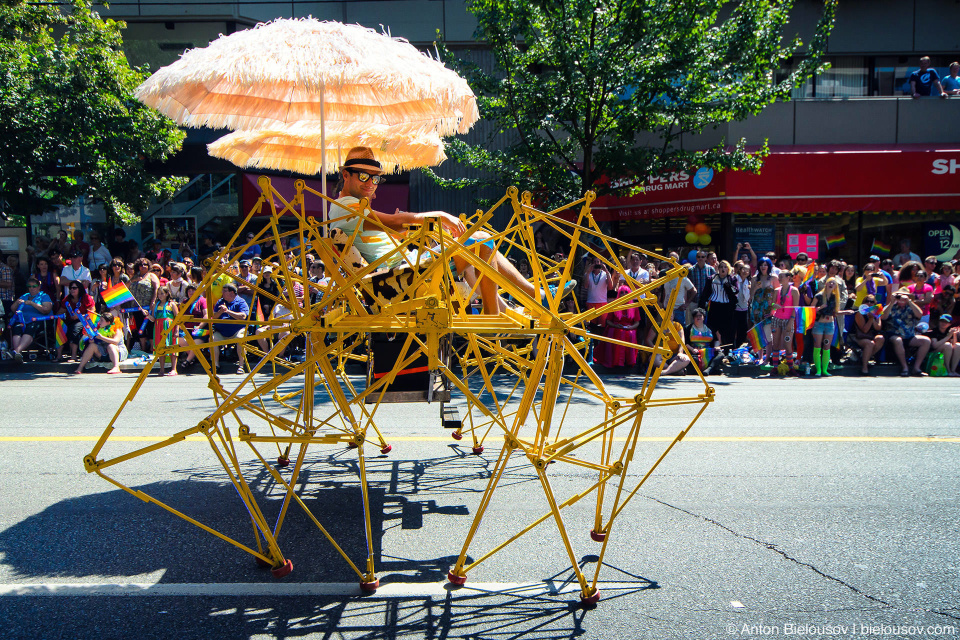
672 195
804 180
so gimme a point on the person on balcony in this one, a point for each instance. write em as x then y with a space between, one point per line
951 83
925 81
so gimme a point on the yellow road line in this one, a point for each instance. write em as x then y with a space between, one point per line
812 439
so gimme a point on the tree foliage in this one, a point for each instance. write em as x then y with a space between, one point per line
580 84
68 119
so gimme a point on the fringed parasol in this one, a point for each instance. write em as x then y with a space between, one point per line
299 148
304 70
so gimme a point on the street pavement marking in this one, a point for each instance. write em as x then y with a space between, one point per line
903 439
279 589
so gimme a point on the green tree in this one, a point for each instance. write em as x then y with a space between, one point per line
579 82
69 123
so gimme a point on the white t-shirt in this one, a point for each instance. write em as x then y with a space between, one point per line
597 287
97 257
743 293
902 258
641 275
685 285
82 274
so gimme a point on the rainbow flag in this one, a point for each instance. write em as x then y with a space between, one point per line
707 354
837 330
756 338
117 295
875 310
61 333
803 278
880 248
805 317
837 241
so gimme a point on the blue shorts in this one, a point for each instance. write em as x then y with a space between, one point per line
823 328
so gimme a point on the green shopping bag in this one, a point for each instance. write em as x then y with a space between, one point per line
934 365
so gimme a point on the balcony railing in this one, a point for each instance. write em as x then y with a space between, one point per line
860 121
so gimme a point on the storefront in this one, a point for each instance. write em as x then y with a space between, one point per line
849 202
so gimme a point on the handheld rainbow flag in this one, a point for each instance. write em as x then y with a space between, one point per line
803 278
880 248
875 310
805 317
61 333
837 241
117 295
756 339
837 330
708 354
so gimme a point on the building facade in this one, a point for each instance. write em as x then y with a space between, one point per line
854 159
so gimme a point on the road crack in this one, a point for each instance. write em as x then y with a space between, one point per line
772 547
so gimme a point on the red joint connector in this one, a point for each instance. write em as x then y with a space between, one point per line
282 570
592 599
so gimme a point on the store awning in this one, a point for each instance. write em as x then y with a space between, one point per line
805 180
390 196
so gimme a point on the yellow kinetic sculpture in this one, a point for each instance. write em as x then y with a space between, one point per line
425 308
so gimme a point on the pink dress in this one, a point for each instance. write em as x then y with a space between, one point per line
616 355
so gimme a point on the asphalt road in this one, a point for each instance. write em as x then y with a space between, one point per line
805 508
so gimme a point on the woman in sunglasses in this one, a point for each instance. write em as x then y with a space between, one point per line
76 305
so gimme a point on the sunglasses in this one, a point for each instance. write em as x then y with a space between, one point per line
363 176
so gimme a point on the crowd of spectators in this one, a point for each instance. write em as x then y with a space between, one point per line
67 278
896 310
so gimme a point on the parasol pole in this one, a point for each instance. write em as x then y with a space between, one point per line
323 157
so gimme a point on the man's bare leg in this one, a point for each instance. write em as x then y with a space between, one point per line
488 287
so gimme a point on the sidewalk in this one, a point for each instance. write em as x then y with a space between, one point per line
135 364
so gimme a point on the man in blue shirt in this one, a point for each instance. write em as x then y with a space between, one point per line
701 272
925 80
951 83
886 270
252 251
230 307
28 307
